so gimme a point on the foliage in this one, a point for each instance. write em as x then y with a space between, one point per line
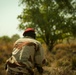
5 38
40 39
15 37
52 19
6 46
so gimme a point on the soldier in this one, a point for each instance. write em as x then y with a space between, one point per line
27 54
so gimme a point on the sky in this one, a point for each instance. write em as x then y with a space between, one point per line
9 10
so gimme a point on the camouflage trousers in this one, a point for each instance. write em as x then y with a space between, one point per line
10 72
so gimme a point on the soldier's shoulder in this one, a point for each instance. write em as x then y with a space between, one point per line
19 40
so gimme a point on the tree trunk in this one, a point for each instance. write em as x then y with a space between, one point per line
50 45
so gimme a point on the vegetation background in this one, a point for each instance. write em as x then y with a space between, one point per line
55 23
60 61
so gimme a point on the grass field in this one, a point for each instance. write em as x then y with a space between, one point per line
60 61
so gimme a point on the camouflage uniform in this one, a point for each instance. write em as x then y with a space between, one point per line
26 53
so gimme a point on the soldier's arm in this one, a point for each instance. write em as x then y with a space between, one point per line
40 58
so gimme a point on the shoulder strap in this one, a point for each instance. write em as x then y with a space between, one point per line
20 45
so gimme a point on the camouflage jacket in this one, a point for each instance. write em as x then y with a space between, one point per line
27 52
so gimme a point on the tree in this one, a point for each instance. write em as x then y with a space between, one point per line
51 22
64 3
5 39
15 37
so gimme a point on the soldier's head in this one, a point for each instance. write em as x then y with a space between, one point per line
29 32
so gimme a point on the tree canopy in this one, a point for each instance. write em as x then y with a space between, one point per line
53 19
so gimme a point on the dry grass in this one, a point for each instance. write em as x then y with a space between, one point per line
62 46
62 60
56 71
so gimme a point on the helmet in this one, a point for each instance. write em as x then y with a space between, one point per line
28 30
